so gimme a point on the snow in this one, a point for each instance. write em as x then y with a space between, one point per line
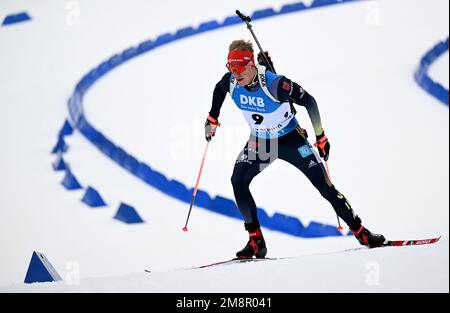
389 144
377 270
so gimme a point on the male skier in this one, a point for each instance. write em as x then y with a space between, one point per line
264 98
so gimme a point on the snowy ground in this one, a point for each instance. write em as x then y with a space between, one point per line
382 270
389 142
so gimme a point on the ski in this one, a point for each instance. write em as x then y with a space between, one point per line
399 243
235 261
226 262
389 243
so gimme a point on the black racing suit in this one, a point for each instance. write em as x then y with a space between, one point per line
292 147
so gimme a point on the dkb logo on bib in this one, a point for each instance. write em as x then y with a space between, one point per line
255 101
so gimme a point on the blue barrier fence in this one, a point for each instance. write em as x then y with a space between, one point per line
174 188
421 75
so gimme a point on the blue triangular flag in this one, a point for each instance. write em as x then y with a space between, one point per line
66 130
60 146
128 214
93 198
70 181
59 163
16 18
40 270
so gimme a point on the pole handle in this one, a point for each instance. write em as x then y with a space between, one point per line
243 17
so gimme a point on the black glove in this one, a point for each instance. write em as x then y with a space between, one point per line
262 61
323 145
210 127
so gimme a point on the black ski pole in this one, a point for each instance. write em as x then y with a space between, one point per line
247 20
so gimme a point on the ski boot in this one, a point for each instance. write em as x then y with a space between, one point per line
366 238
256 246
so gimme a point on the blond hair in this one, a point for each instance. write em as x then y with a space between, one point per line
241 45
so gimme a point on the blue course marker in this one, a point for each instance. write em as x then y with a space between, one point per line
16 18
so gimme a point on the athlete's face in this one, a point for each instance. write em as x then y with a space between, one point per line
246 77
